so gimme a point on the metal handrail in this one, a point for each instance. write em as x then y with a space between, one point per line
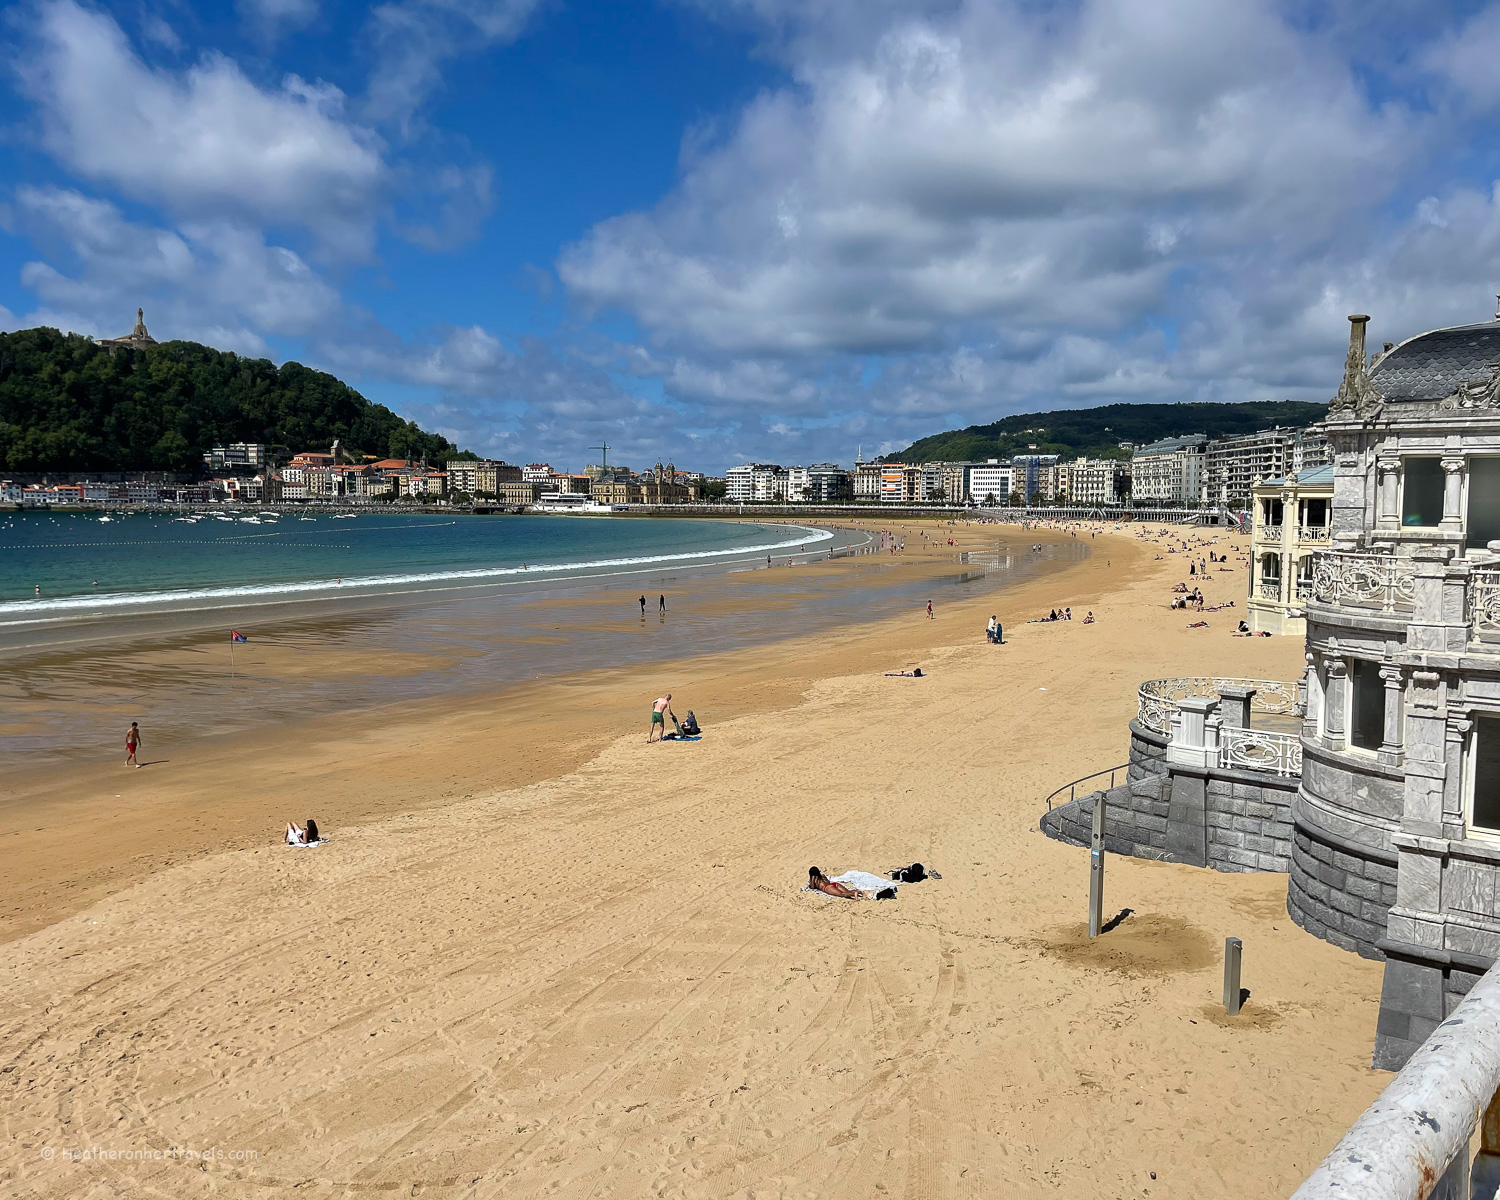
1070 788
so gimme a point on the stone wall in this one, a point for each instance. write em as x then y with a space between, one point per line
1240 819
1340 890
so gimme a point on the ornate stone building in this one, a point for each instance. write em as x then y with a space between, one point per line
1401 742
1290 524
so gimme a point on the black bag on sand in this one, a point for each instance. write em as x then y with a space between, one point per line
886 894
912 874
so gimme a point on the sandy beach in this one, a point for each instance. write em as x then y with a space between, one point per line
540 957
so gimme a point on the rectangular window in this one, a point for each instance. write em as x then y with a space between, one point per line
1484 502
1317 512
1367 722
1486 811
1422 491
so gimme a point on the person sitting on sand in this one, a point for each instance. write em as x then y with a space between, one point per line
1089 620
310 831
1243 628
295 834
989 630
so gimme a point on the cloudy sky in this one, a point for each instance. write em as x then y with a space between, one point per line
713 230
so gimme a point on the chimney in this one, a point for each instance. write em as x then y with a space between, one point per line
1357 323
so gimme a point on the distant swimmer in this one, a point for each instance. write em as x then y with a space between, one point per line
38 591
132 743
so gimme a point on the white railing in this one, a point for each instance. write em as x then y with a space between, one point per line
1156 699
1304 589
1270 589
1381 581
1313 533
1260 750
1484 602
1413 1142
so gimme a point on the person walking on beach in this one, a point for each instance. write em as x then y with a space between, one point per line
643 608
132 743
659 713
929 610
661 604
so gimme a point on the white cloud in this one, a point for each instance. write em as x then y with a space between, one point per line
272 17
987 167
211 282
413 39
205 142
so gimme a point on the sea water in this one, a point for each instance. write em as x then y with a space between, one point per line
59 565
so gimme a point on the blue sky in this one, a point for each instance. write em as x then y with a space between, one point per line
714 230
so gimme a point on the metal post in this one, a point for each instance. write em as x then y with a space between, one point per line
1096 870
1232 950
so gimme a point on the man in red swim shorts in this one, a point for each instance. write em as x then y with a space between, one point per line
132 741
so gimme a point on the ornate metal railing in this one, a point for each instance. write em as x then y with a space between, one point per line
1156 699
1260 750
1381 581
1313 533
1304 589
1484 602
1270 589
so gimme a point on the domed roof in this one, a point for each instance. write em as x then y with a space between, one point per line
1431 366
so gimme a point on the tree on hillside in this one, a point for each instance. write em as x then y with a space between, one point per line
69 404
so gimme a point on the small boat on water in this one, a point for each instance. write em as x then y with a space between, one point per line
105 520
250 520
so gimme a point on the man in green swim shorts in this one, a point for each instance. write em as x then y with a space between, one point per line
659 713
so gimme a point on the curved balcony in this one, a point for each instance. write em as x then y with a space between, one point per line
1156 699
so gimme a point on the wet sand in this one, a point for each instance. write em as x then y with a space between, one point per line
541 957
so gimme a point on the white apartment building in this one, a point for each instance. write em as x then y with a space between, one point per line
991 483
1234 464
1170 471
866 481
236 454
755 481
1099 481
823 483
536 473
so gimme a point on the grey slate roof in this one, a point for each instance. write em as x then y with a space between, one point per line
1430 366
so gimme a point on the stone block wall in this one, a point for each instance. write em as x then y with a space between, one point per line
1248 818
1249 822
1339 890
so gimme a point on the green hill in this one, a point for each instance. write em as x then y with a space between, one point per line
1098 432
68 405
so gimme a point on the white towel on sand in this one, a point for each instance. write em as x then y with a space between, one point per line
863 881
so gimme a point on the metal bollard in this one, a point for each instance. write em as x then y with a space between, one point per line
1096 870
1232 951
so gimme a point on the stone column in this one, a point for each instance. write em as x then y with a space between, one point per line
1453 493
1333 703
1189 745
1234 705
1388 511
1390 742
1290 520
1313 698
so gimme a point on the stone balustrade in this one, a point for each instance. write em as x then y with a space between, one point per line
1381 581
1413 1142
1157 699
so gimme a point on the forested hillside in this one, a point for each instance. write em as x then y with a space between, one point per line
1098 432
68 405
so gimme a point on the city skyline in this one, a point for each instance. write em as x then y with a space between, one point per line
787 229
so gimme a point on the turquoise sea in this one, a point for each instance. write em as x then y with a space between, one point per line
55 566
